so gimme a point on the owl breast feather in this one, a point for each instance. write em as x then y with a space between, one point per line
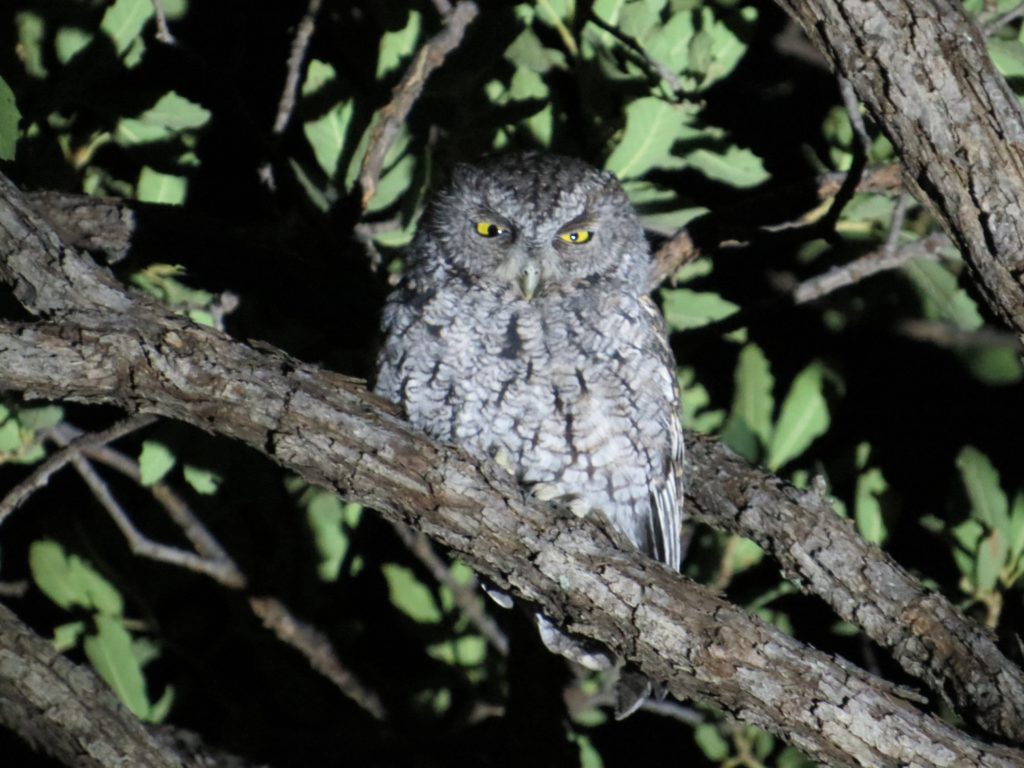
573 391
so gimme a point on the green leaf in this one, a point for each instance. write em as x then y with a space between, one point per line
804 417
753 401
176 113
158 712
31 34
43 417
124 20
327 133
110 653
1017 528
995 366
396 46
942 298
68 580
410 595
203 481
652 128
791 757
69 41
695 400
1008 56
989 504
669 43
967 534
745 554
689 309
466 651
66 636
9 117
991 558
156 187
736 167
867 509
10 436
331 522
51 573
711 742
100 593
528 52
155 461
393 184
589 756
738 436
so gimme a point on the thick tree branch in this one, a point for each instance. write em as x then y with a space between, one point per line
921 68
330 430
69 713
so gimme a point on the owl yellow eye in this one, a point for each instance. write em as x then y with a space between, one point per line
489 229
575 236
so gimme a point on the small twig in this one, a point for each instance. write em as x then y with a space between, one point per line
861 150
41 475
222 572
990 26
648 62
949 336
392 116
163 32
899 214
13 588
300 44
869 264
177 508
852 104
286 102
317 649
466 596
681 249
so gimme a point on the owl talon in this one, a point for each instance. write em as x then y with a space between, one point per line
504 460
579 507
546 491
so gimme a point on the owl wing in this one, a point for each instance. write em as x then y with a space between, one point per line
664 522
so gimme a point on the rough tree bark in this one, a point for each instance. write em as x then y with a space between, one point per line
922 70
110 347
920 67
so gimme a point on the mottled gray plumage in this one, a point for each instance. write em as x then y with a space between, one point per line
522 332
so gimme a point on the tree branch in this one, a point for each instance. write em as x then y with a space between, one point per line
330 430
921 69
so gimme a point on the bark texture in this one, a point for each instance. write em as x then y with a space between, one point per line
70 714
922 70
110 347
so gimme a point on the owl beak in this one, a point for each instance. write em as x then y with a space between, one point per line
529 277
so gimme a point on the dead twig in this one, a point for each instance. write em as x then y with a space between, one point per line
300 44
42 474
222 572
681 248
880 260
317 649
993 24
392 116
177 508
163 32
286 102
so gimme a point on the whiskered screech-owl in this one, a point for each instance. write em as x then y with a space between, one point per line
523 332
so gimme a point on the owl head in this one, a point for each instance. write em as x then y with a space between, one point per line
534 225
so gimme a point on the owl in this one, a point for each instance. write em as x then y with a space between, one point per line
522 331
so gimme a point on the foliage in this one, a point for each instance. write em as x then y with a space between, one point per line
886 390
